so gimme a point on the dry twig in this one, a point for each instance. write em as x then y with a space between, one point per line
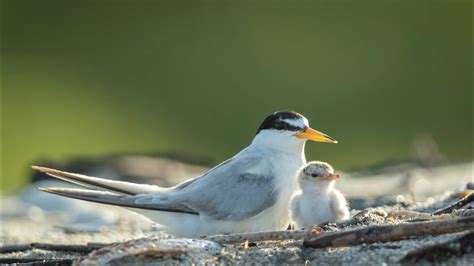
14 248
265 236
55 247
387 233
35 261
70 248
457 205
418 216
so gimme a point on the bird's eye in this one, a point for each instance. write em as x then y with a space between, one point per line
314 175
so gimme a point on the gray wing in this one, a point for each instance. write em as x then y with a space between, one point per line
235 198
228 192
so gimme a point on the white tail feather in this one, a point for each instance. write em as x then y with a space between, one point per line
107 184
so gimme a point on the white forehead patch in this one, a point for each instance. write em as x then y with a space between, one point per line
300 122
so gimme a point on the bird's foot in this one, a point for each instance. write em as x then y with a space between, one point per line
316 230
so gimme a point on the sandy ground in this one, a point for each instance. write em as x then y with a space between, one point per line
33 216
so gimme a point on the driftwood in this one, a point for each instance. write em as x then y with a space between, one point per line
54 247
14 248
35 261
413 216
457 205
409 214
265 236
71 248
387 233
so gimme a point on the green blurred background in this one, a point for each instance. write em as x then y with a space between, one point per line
92 78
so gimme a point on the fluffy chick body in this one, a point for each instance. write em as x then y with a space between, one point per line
317 201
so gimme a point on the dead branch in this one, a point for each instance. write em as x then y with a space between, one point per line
457 205
414 216
409 214
69 248
265 236
54 247
387 233
14 248
35 261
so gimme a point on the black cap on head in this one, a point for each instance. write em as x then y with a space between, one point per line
277 121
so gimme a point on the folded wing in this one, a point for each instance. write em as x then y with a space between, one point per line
233 191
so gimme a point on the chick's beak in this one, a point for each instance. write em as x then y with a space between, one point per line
315 135
332 177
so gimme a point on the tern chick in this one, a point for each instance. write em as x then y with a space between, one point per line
317 201
247 193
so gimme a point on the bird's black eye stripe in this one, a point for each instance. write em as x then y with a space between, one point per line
282 125
314 175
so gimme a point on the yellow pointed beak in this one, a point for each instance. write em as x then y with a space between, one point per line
315 135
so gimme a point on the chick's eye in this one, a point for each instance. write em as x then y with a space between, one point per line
314 175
